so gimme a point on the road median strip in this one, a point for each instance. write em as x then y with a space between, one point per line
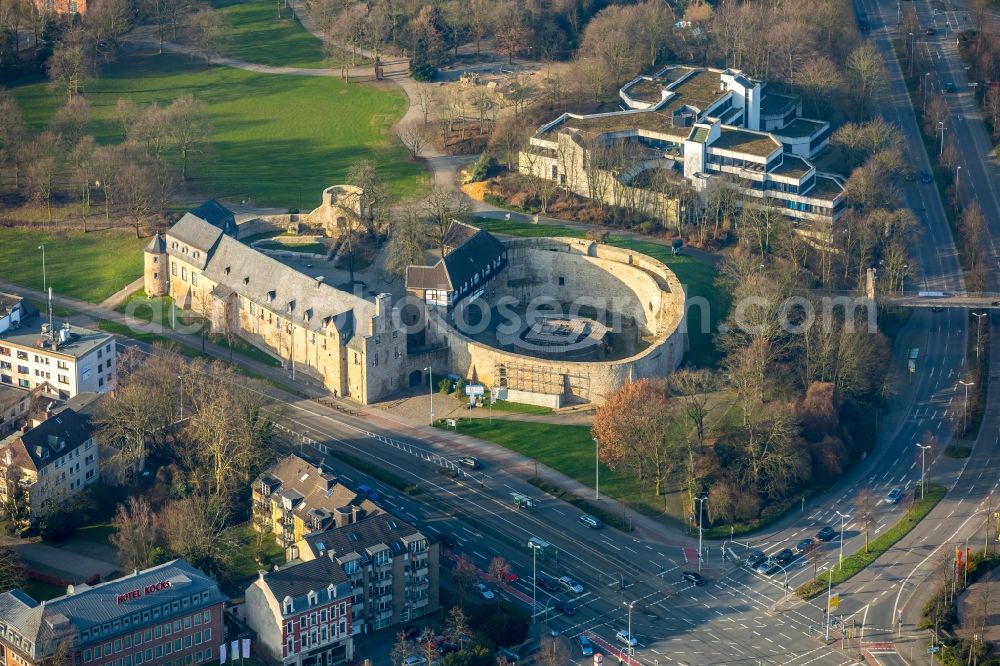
877 547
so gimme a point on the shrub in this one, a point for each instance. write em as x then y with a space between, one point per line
444 386
421 70
484 167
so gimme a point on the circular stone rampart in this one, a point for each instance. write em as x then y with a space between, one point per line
628 288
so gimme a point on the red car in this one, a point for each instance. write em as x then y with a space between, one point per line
511 577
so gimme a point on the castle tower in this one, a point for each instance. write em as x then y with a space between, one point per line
156 278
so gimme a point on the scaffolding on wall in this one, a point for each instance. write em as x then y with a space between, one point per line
541 379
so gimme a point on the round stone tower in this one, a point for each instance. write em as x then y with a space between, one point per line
156 276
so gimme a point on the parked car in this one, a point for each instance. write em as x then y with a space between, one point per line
415 660
511 577
591 521
926 177
547 582
864 26
565 607
571 585
784 556
470 461
805 545
626 638
754 559
693 577
950 87
586 647
485 591
411 631
826 533
448 539
894 496
930 30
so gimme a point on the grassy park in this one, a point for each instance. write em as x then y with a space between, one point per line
278 140
255 31
89 266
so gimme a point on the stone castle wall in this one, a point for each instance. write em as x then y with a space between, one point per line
643 287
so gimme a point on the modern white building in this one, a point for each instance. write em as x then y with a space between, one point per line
69 358
703 125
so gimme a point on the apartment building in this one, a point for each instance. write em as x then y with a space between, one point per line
168 615
294 498
301 614
706 127
15 405
392 569
49 459
34 352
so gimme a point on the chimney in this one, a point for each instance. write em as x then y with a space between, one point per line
357 513
342 516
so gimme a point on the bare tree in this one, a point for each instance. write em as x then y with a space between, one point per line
43 170
425 98
70 121
195 528
205 32
693 387
136 534
457 626
864 506
402 650
511 33
463 575
866 74
71 67
406 241
440 208
187 128
414 136
11 569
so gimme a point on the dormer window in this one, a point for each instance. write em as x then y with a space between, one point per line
288 606
270 296
313 597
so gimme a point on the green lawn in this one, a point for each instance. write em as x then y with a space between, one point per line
566 448
257 35
703 297
244 559
305 248
88 266
255 30
278 140
526 229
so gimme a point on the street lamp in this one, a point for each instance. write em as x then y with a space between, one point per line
958 172
430 389
942 128
924 81
923 450
912 58
534 583
180 380
829 589
631 650
843 517
979 326
965 409
701 511
597 469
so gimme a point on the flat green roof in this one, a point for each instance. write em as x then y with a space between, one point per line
652 121
645 90
825 188
700 90
801 127
742 141
791 166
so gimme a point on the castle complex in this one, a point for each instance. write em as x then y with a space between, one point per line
347 341
543 320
